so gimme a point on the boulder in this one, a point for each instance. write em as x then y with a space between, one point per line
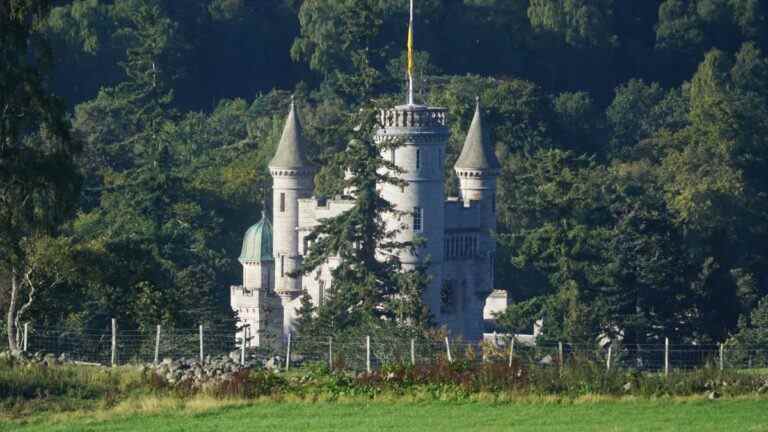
547 360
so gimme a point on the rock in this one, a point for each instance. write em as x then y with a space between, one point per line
274 363
50 359
627 387
167 361
63 358
713 395
547 360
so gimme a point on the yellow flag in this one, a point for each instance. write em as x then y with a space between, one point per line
410 45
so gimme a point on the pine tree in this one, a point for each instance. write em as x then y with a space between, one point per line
39 182
369 283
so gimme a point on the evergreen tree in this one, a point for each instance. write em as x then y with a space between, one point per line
38 179
369 282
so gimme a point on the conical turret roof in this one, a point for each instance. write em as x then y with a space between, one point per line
257 243
290 151
477 153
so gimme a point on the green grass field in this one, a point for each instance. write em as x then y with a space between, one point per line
635 415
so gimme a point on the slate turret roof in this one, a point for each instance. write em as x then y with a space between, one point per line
290 151
477 153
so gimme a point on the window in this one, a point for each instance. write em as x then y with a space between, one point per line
282 202
418 159
418 214
282 265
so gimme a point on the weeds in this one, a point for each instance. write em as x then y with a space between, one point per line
25 389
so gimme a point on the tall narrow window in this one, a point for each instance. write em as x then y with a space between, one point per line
282 265
418 159
418 214
282 202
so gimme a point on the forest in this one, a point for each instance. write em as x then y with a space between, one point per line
632 134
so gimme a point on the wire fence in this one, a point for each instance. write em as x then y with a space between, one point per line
369 353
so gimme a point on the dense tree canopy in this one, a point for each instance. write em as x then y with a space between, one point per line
633 197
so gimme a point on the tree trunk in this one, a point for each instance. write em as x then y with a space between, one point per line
12 342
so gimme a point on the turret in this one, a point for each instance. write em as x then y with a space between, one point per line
254 301
293 179
256 256
477 169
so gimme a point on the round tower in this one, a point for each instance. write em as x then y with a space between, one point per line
422 135
293 179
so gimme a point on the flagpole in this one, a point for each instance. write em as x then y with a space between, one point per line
410 58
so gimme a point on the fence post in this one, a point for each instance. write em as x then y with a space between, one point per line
608 359
202 352
448 349
560 354
722 355
157 344
368 354
288 352
26 336
511 350
114 342
242 345
666 357
413 352
330 352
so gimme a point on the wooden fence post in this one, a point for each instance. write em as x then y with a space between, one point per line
26 336
244 341
368 354
608 359
560 354
722 357
413 352
202 350
511 350
666 357
114 342
448 349
288 353
157 344
330 352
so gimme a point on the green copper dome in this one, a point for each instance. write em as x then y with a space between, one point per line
257 243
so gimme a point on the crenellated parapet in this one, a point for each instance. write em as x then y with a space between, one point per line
413 116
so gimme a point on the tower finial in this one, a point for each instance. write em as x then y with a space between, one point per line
410 57
293 100
477 101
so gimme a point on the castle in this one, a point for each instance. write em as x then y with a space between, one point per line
456 232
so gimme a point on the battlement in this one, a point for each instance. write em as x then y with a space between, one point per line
413 116
461 216
312 210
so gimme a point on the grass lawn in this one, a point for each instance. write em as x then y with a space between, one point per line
636 415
